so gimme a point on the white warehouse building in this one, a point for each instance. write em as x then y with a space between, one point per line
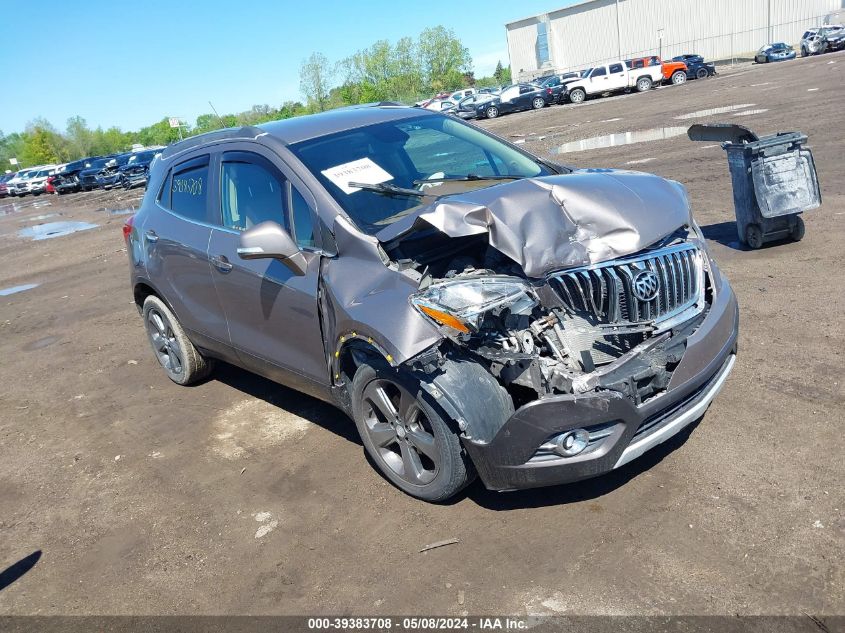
592 32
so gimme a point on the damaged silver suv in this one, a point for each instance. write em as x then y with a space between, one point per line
473 308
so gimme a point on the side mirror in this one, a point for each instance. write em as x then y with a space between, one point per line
268 240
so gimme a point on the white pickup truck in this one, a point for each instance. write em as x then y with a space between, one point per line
613 77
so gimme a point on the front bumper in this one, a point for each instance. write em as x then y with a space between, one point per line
509 461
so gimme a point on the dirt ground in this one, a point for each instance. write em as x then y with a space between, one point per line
242 497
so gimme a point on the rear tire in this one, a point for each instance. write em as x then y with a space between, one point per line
679 77
408 438
577 95
174 351
538 103
644 84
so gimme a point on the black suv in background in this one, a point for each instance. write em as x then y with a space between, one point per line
109 175
137 169
66 179
88 176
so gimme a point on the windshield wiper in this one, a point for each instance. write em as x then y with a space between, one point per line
468 177
390 190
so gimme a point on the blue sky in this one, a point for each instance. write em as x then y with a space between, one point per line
131 63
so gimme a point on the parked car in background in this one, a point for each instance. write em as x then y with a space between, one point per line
88 176
441 105
38 182
66 178
514 99
467 107
697 68
613 77
4 183
460 94
777 52
558 83
109 174
24 178
470 306
824 39
674 72
136 171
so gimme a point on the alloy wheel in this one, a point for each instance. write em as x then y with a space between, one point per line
164 342
401 433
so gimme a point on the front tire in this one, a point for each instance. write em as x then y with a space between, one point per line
407 437
492 112
797 233
701 73
679 77
174 351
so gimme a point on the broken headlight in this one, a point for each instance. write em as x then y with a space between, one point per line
461 304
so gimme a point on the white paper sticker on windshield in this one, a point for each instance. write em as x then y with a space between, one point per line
362 170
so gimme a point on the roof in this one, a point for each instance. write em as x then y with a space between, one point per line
537 15
305 127
301 128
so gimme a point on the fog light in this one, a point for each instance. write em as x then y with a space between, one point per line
572 442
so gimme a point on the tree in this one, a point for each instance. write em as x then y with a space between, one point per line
79 137
499 73
443 58
315 75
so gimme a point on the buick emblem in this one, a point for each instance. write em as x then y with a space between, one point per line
646 285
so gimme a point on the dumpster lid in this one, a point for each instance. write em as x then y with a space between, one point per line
721 132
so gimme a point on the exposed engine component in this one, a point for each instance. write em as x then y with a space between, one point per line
621 325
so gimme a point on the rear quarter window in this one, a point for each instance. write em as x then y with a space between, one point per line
189 193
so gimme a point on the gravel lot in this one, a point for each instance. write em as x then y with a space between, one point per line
242 497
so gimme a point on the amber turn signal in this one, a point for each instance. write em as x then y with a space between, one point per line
445 319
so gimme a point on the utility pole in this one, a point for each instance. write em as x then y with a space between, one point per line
618 34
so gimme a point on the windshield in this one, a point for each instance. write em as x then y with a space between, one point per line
400 152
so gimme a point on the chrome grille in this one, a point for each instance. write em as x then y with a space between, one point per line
605 292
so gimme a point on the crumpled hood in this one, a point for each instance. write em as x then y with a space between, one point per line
554 222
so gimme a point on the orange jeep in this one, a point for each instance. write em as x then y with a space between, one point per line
674 72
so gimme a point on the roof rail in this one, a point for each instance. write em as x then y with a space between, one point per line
247 131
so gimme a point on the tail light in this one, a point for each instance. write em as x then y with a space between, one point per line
127 228
548 91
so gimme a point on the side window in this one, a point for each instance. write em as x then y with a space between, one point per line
524 89
599 71
164 192
189 191
615 68
249 195
303 220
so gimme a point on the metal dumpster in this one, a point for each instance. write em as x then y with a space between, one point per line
774 180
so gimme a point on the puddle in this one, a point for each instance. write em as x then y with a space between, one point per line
5 292
623 138
40 343
711 111
54 229
750 112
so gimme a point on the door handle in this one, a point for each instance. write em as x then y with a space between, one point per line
151 236
221 263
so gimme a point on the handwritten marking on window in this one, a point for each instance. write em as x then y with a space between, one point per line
190 186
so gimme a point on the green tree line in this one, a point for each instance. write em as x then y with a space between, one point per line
405 71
